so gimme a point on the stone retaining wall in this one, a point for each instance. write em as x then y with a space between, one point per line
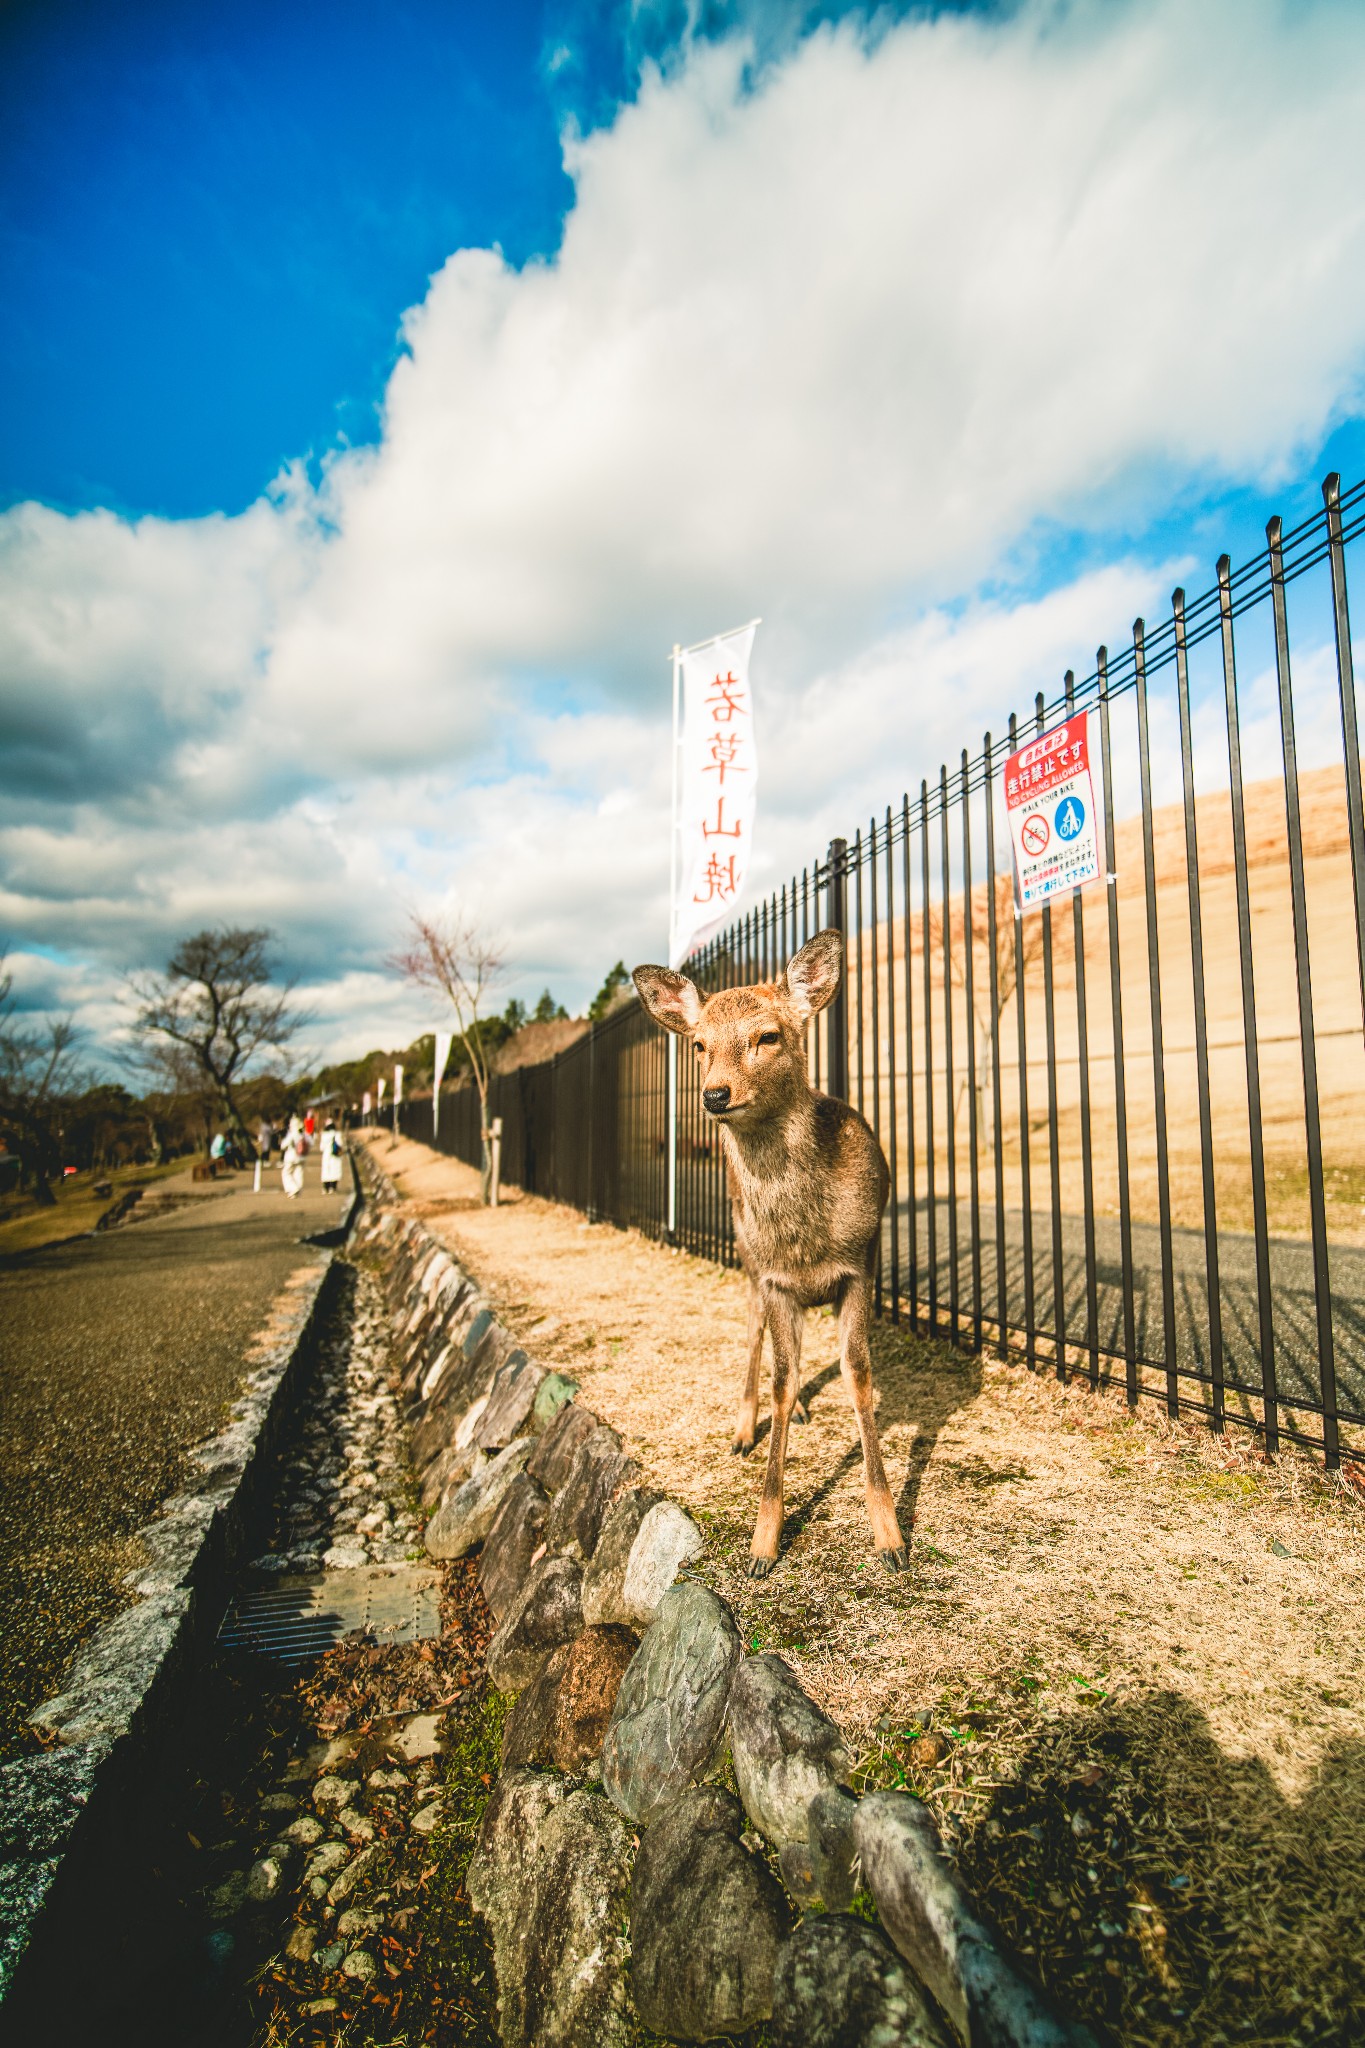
669 1840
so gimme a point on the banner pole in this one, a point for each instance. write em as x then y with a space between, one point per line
672 935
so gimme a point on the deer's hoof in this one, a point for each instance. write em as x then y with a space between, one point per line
799 1413
741 1447
896 1560
759 1567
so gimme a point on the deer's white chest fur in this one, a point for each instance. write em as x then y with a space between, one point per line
807 1195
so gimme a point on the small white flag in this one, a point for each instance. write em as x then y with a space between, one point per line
397 1083
444 1041
719 779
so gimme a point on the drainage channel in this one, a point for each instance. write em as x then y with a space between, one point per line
313 1874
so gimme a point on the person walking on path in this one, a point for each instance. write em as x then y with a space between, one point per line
291 1165
332 1146
265 1140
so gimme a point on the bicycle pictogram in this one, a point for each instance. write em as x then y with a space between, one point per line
1034 834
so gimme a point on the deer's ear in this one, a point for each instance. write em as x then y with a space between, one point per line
813 975
670 998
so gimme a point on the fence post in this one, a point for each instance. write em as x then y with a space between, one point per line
836 1038
671 1054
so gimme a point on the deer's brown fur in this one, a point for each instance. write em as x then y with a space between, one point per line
808 1185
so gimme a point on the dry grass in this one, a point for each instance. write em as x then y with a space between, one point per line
1105 1614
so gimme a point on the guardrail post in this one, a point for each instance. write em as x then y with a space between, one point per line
836 1040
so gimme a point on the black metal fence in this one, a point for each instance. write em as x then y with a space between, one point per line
1126 1131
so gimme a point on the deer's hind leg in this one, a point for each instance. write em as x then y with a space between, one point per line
855 1364
784 1320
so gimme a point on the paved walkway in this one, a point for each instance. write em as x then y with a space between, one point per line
117 1354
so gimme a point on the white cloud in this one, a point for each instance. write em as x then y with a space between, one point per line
832 343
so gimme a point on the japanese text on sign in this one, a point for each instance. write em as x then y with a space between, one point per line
719 773
1050 802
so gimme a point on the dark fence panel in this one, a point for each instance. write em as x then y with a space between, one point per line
1125 1135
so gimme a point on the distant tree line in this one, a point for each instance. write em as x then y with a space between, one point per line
211 1048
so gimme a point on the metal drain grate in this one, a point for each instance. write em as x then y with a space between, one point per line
294 1619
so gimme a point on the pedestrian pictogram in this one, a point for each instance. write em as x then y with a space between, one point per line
1050 801
1033 834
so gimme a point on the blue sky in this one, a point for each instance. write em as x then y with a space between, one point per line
382 392
214 215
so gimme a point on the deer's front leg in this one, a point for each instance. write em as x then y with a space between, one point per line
855 1364
784 1318
746 1423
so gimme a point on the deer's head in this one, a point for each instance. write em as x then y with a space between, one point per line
749 1043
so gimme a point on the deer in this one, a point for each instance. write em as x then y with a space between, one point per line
808 1184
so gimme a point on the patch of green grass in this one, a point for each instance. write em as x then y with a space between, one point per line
456 1953
1240 1487
25 1226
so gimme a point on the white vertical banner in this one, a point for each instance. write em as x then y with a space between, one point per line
719 777
444 1041
397 1083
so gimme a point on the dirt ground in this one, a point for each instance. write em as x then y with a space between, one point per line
1125 1666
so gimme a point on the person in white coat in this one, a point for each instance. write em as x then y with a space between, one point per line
291 1165
332 1146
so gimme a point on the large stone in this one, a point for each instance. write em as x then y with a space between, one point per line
549 1876
443 1473
707 1921
600 1471
463 1521
669 1718
510 1401
643 1545
932 1922
553 1456
547 1612
562 1716
605 1576
785 1749
830 1845
554 1390
516 1533
840 1984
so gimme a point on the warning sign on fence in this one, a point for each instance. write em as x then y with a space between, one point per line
1050 800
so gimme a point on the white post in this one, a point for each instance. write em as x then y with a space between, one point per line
672 933
495 1131
256 1183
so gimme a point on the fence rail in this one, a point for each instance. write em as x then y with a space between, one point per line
1126 1133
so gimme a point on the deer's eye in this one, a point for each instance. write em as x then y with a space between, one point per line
697 1046
770 1037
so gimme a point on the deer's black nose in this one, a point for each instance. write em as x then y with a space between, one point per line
716 1099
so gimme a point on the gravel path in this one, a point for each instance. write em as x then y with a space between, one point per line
344 1500
318 1887
117 1354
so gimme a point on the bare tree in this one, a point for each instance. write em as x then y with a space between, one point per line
40 1072
455 957
214 1014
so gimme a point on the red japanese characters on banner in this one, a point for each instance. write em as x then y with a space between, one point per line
1050 802
719 777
